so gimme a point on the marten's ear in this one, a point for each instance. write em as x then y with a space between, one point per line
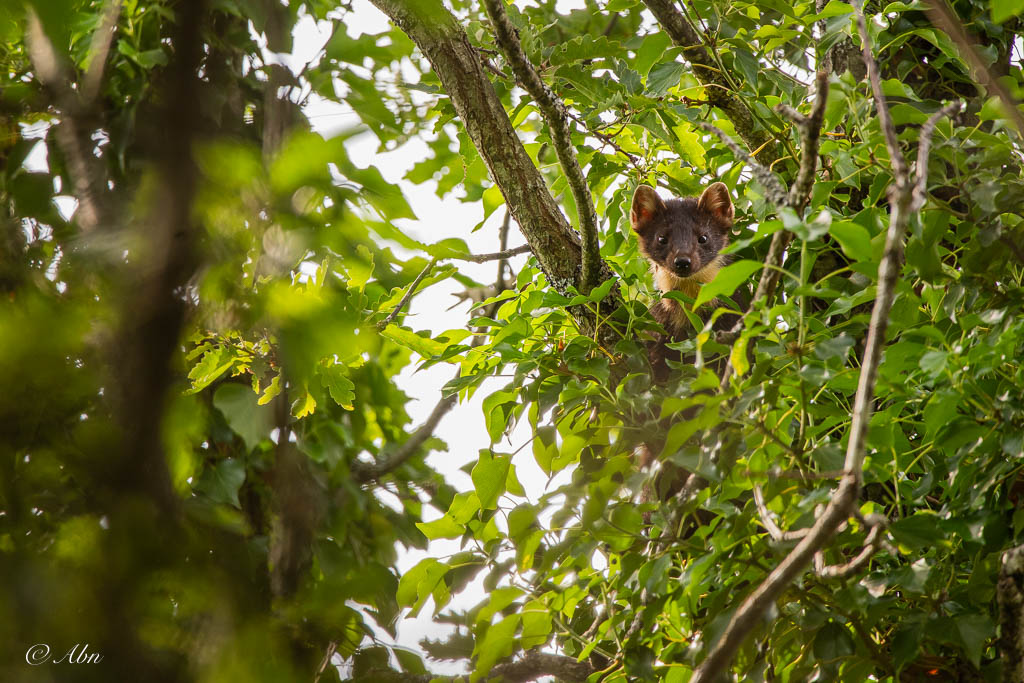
646 205
717 202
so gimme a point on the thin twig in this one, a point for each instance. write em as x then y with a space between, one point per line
924 148
774 190
484 258
367 472
875 539
608 140
554 113
408 295
506 223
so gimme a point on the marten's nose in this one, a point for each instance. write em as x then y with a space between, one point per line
682 265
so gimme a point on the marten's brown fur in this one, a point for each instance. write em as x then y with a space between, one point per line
683 240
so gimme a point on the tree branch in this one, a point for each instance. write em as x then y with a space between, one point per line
896 160
554 113
98 51
924 148
810 135
367 472
88 177
721 93
442 40
408 295
502 255
877 524
843 502
943 17
774 190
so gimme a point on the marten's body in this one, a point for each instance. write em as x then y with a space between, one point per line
683 239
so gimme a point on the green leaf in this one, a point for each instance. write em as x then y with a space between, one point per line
939 411
537 624
443 527
651 50
222 481
663 77
727 280
738 355
922 530
424 346
240 407
214 363
853 238
833 642
1004 9
933 363
464 507
339 386
975 631
304 405
489 476
418 584
499 642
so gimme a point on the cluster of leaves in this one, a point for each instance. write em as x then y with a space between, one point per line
284 376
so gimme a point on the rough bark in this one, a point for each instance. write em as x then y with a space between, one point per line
442 40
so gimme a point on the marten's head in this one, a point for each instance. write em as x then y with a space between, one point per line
683 238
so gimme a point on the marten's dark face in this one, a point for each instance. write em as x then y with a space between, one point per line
683 236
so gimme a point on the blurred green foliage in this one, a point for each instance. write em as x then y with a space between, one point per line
276 550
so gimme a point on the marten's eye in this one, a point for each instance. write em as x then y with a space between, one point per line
662 239
702 239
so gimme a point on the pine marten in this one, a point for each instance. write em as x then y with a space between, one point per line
683 240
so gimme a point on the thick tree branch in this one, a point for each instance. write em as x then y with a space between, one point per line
554 113
721 93
844 501
443 41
